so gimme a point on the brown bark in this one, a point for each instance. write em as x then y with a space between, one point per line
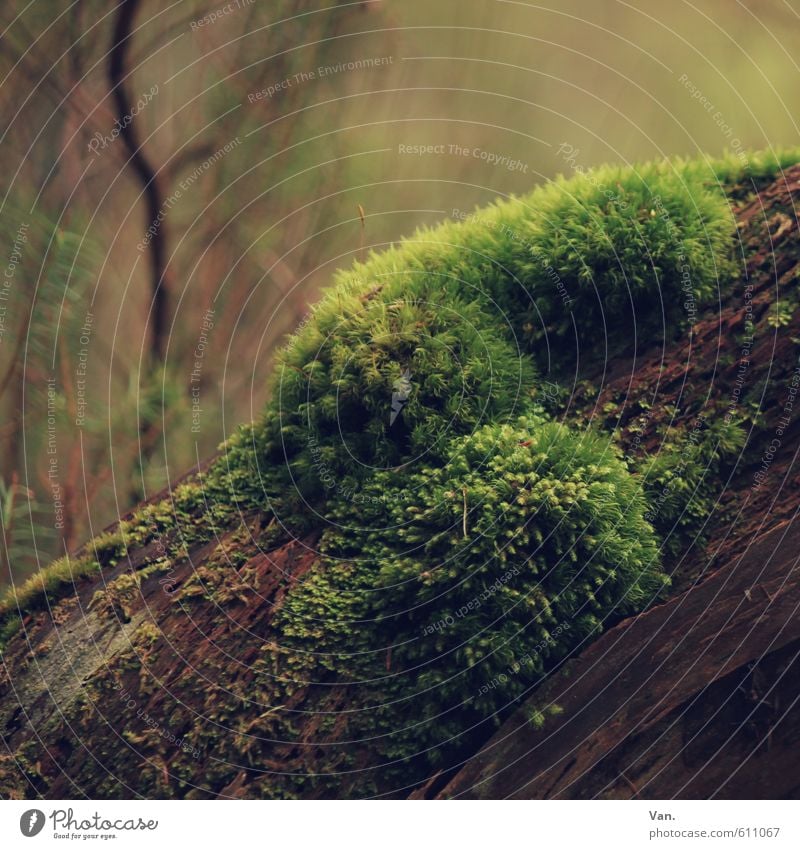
697 698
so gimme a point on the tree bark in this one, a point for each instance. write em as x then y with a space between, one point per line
695 699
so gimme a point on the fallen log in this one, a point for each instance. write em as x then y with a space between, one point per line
697 698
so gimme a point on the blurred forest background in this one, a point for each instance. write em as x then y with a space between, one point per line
264 143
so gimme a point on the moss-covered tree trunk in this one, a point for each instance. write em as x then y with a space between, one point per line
148 678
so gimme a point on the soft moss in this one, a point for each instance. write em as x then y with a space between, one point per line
470 543
681 480
445 594
46 586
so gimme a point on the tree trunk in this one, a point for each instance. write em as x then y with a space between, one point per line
143 682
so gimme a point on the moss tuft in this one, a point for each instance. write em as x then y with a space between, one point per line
469 542
463 584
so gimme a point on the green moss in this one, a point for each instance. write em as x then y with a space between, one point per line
470 543
459 318
113 600
741 177
630 246
461 586
538 717
464 312
107 547
46 586
420 344
681 479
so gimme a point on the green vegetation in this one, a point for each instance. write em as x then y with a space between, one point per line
469 542
740 178
464 584
681 481
470 309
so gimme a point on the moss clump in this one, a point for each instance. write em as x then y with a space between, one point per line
46 586
370 384
630 246
449 327
470 544
464 313
740 177
463 584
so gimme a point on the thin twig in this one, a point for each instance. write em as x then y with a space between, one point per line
363 227
151 189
